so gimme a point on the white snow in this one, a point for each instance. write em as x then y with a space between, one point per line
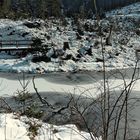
16 128
13 127
125 19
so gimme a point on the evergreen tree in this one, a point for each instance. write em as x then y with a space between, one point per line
5 8
41 8
54 8
23 10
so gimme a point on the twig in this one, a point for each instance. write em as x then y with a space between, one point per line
43 101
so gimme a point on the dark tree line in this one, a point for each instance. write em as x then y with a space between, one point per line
30 8
47 8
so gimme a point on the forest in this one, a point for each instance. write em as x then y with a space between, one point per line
57 8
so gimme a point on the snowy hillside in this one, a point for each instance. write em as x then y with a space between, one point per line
84 51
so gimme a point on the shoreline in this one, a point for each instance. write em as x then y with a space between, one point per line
62 73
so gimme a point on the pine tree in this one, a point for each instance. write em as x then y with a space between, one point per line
23 10
54 8
5 8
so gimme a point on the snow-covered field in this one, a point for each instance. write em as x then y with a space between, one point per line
59 86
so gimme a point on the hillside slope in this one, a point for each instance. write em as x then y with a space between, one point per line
84 40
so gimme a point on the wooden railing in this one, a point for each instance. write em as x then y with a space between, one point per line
15 44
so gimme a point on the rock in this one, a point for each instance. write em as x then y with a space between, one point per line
37 42
67 57
32 24
12 33
99 60
58 29
86 26
54 55
24 34
78 56
117 54
75 59
60 52
138 32
9 28
78 36
40 58
66 46
80 32
89 51
48 37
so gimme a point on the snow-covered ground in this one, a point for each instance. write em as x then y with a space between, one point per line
120 54
57 88
13 127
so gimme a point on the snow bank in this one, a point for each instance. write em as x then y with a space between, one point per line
13 127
